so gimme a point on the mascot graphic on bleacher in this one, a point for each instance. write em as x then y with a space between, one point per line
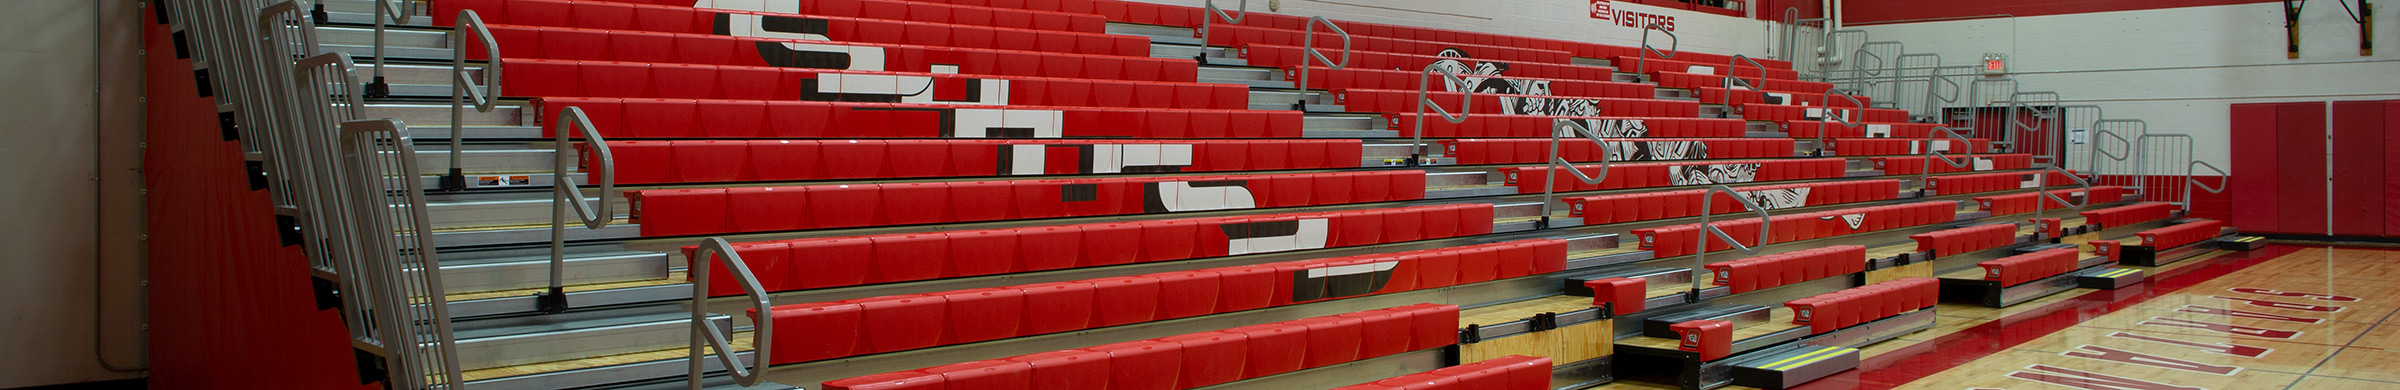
1782 198
1688 175
1533 97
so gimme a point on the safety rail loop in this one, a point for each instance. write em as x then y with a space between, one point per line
2132 155
1732 79
1308 44
1550 182
1208 20
1641 65
2142 157
1700 246
1964 160
565 195
2042 185
2189 180
463 89
1466 107
397 277
762 336
1844 119
386 10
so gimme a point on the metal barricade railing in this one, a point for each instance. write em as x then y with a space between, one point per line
1550 182
2042 186
1733 79
2077 122
565 194
285 35
1984 95
1935 101
2118 168
1836 115
762 336
1466 106
464 90
1641 66
1801 37
1308 44
1208 22
1700 246
2039 132
2163 155
387 12
398 263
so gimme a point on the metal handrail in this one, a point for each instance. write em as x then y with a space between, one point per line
1930 154
397 252
1466 106
762 336
464 89
2042 185
1731 79
565 194
1308 45
1641 66
2098 151
1208 18
385 10
1550 181
2189 180
1827 99
1700 247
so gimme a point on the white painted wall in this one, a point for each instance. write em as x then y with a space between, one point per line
1554 19
72 171
2177 68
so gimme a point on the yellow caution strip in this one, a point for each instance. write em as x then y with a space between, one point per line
1805 359
2118 272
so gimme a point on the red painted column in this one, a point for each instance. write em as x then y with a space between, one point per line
2391 182
2253 170
2300 168
2358 174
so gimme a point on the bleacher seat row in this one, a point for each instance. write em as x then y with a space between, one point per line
756 209
855 260
1917 165
610 79
2015 270
1229 35
1842 309
1529 180
1677 240
1537 150
1542 126
916 11
1736 69
1513 372
2024 203
2130 214
1681 80
699 161
1363 78
834 329
2181 234
1393 100
1832 129
690 118
1280 55
1644 206
1989 182
1741 98
1787 113
1966 239
1768 271
599 22
1193 360
1886 146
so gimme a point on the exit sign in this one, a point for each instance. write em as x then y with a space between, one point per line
1995 63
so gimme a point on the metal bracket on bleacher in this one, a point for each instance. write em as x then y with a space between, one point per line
257 171
1472 334
227 128
318 15
287 230
328 294
1542 322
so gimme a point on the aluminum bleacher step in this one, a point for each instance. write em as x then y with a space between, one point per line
514 341
530 234
1284 99
423 114
525 209
1788 367
1244 75
1157 34
435 159
362 12
534 271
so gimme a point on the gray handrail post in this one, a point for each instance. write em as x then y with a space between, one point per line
463 89
571 122
2189 181
384 11
2042 186
1733 79
1208 18
1700 246
762 336
1466 107
1641 65
1308 46
1550 178
1930 154
1844 119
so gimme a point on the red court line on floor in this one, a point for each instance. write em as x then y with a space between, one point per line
1923 359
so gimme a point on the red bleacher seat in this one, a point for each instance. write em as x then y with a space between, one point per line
2019 269
2130 214
1917 165
1741 69
2182 234
1619 208
1363 78
1678 240
1888 146
1966 239
2024 203
1842 309
1536 150
1988 182
1405 101
1681 80
1529 180
1832 129
1788 113
1769 271
1501 373
679 118
1540 126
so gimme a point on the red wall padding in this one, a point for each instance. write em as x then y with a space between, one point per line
2358 173
2253 169
2300 168
2391 167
